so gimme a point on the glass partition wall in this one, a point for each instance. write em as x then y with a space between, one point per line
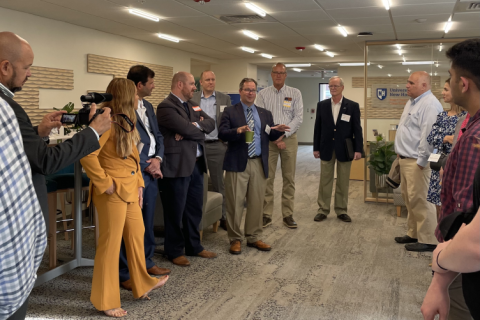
387 68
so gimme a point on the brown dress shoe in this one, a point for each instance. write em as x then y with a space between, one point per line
157 271
181 261
260 245
127 285
207 254
235 247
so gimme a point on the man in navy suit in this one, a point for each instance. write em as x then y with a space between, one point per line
246 165
151 156
338 119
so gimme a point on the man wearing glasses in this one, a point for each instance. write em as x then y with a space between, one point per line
246 165
338 120
285 103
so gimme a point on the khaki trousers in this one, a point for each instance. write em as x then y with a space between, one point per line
288 158
250 183
458 306
422 215
117 218
326 185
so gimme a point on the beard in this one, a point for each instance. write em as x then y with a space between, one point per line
11 84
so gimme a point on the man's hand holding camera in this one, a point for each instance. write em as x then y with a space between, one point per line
101 123
50 121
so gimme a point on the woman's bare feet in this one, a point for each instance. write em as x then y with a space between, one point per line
160 283
116 313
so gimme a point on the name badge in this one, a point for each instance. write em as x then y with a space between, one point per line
434 157
197 108
287 104
222 108
267 129
345 117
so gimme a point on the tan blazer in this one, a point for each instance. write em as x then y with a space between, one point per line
104 166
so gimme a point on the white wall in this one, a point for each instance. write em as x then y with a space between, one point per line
61 45
263 75
229 73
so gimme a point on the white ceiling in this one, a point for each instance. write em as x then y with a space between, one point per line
289 24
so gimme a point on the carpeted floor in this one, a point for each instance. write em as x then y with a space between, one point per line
328 270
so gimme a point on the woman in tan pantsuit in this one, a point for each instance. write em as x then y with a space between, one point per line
116 189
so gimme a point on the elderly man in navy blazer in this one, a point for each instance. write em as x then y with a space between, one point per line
338 120
246 165
151 156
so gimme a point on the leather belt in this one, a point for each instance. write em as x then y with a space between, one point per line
212 141
254 157
402 157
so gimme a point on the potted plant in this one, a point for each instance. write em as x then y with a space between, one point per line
69 108
381 159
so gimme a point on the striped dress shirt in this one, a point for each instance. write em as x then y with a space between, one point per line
286 106
22 228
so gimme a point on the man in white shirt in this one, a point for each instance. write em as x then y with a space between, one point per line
411 146
286 105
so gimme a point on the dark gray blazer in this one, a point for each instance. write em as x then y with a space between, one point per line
180 156
45 160
221 100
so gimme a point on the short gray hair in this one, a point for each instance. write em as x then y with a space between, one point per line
247 80
337 77
279 64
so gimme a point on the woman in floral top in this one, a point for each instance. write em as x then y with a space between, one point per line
441 138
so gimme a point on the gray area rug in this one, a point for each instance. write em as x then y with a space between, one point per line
322 270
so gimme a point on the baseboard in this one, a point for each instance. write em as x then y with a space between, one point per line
305 143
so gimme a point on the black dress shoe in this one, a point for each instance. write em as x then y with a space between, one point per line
267 221
420 247
289 222
223 224
344 217
405 239
320 217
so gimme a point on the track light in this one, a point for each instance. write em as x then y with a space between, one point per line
296 69
250 34
295 65
318 47
255 9
448 25
248 49
266 56
144 15
330 54
169 38
386 4
342 30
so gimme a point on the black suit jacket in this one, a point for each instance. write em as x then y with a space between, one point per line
236 156
46 160
145 138
180 156
328 137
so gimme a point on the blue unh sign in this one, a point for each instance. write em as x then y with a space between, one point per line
381 93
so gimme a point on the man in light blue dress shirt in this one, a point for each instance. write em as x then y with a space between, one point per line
412 148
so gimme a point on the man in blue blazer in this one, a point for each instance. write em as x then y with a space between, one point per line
246 165
338 120
151 156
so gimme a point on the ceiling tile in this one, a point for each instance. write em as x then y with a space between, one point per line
310 15
416 9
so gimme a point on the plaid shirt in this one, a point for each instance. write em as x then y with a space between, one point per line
457 185
22 228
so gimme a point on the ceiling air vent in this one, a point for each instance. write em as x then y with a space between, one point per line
244 18
471 6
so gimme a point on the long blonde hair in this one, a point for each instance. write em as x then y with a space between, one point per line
124 100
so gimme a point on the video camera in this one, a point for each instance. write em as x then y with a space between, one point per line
81 118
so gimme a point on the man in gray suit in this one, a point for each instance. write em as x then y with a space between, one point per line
213 103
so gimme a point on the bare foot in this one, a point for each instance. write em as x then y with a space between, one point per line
116 313
160 283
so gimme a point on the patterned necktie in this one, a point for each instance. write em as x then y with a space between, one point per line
251 124
185 105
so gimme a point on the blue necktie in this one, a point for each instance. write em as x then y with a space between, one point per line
185 105
251 124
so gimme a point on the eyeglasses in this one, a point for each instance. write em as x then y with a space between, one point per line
249 90
276 72
334 87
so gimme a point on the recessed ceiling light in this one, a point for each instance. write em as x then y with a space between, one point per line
380 66
169 38
440 48
250 34
399 52
318 47
435 73
404 60
255 9
389 75
295 65
353 64
437 64
386 4
144 14
330 54
296 69
408 70
416 62
448 25
399 47
248 49
342 30
266 56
